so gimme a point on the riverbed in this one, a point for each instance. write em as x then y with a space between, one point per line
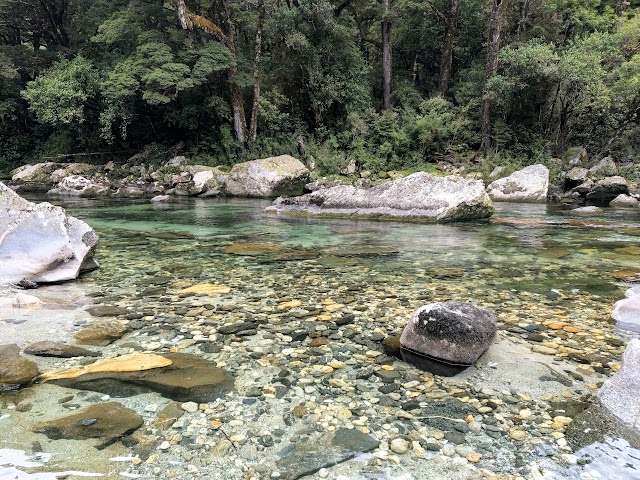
313 382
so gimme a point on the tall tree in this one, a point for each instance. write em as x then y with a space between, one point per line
446 57
386 55
189 21
253 125
493 49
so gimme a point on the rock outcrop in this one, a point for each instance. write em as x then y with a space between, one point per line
268 177
531 184
619 394
418 197
41 243
624 200
606 190
79 186
452 332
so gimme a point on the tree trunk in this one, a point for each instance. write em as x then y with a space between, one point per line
253 125
446 58
386 58
621 7
492 68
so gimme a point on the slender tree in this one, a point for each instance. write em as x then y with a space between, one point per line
386 55
446 57
493 49
253 125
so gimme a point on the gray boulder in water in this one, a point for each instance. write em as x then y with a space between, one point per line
531 184
268 177
452 332
418 197
619 394
41 243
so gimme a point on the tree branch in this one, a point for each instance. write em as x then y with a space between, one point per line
190 20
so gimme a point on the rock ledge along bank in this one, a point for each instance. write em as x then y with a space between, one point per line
419 197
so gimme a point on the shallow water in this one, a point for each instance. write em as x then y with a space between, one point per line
530 263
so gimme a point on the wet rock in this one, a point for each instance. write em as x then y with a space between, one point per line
204 289
160 199
56 349
101 334
108 422
40 242
531 184
626 313
302 459
22 300
392 345
187 378
107 311
623 200
619 394
15 370
606 190
592 210
268 177
453 332
418 197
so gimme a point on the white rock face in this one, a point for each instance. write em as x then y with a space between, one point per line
268 177
619 394
627 313
79 186
531 185
40 242
417 197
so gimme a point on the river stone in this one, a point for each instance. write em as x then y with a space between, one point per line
15 370
22 300
452 332
35 178
626 313
40 242
592 210
575 177
107 311
531 184
418 197
301 459
46 348
606 190
188 378
79 186
623 200
101 333
619 394
268 177
108 421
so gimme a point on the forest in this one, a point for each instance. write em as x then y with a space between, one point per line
376 84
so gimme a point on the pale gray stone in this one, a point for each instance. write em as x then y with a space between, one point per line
531 184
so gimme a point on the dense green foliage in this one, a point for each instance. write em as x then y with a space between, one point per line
124 75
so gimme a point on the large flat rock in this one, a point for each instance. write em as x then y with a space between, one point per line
531 184
420 197
267 177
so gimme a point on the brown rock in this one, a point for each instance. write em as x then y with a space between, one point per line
107 421
187 378
56 349
101 334
15 370
391 345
